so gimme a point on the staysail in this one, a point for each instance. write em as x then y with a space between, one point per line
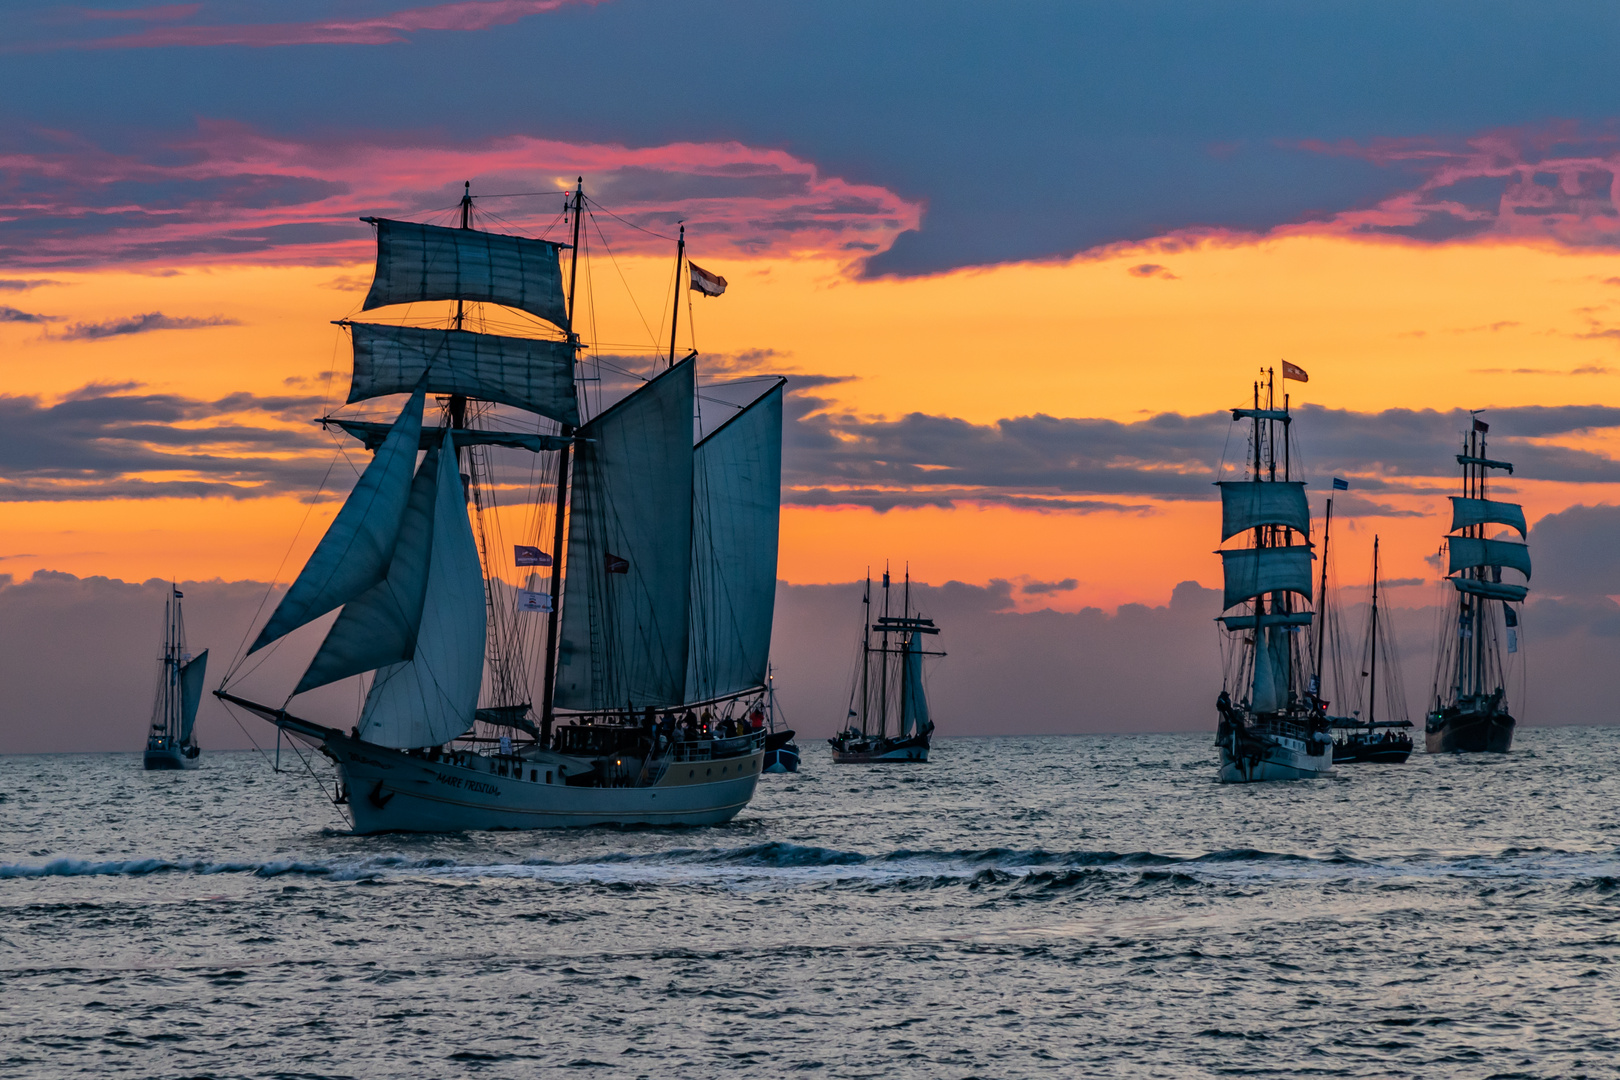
530 373
626 603
418 262
914 716
355 552
1246 504
736 512
379 626
192 673
433 697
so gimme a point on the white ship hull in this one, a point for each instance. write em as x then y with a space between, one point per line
391 791
1274 757
169 755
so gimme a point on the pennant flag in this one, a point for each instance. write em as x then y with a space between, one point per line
1480 425
524 555
1295 372
706 283
614 564
1512 616
533 601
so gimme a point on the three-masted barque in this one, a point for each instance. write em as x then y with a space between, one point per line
1469 707
661 548
169 740
1270 725
888 720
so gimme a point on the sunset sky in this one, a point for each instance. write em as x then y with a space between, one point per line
1016 262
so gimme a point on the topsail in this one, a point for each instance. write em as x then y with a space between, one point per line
1248 503
429 262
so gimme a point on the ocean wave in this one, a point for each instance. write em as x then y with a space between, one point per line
788 864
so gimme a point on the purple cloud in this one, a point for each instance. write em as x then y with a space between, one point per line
139 324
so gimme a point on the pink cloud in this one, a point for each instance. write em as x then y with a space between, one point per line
161 13
378 30
231 194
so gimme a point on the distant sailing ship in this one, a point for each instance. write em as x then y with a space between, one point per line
169 740
1470 709
888 687
1270 726
663 552
1368 735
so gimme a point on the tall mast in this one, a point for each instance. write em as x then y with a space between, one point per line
1322 601
866 650
458 402
1372 685
883 678
547 709
905 611
675 316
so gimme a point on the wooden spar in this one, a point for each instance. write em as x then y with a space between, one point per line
675 316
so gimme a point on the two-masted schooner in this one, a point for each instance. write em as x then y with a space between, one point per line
1469 710
169 741
1270 725
888 692
661 549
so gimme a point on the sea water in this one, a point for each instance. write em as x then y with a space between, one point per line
1017 907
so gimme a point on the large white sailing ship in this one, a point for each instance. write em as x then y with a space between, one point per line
661 550
1271 726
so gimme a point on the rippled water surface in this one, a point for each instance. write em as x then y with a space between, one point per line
1019 907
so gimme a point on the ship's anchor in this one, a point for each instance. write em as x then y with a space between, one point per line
378 799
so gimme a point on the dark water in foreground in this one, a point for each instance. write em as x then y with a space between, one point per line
1020 907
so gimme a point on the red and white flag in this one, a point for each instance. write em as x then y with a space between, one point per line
706 283
1295 372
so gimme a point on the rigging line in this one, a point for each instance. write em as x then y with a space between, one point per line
592 202
614 260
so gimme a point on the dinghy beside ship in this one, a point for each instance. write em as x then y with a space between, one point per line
663 553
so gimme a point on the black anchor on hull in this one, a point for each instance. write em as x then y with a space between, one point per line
378 799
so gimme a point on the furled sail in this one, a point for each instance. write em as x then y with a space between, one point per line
379 626
625 597
418 262
372 434
529 373
192 673
1253 572
1467 551
355 552
1246 504
736 511
1490 590
433 697
1467 512
914 717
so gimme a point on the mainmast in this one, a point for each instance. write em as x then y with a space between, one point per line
1322 606
548 709
1372 670
883 672
675 315
866 649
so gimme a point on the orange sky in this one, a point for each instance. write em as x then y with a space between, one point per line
1376 324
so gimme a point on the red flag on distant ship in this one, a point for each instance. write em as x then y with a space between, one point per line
1295 372
1480 425
706 283
614 564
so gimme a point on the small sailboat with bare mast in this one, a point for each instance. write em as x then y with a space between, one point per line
662 563
1378 730
888 687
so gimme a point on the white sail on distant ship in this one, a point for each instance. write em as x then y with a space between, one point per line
169 740
662 556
